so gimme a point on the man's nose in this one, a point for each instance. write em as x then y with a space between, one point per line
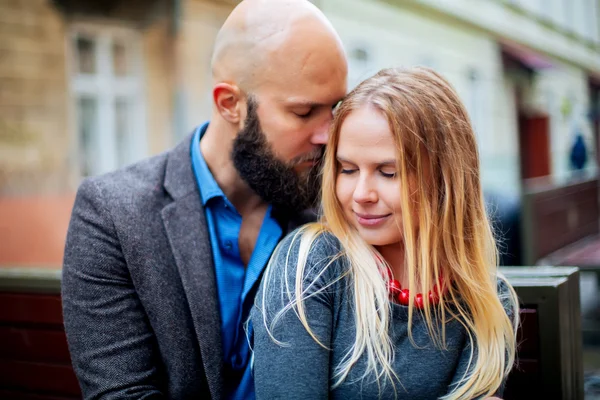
321 134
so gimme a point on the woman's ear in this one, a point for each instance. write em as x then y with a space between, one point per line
227 100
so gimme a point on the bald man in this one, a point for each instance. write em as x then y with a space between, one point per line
163 258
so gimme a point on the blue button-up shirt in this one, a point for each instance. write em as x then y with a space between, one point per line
234 279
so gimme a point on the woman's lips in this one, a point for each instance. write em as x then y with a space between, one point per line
371 220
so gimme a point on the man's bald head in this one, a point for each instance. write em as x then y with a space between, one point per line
265 37
278 68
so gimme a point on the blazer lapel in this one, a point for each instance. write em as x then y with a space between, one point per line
188 235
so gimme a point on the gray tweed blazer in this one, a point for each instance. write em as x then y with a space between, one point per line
139 294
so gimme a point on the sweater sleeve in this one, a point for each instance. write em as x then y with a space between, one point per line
288 362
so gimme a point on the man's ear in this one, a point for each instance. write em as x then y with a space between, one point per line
228 101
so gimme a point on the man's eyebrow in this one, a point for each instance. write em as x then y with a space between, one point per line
304 103
310 103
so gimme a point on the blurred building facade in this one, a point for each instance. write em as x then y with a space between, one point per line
88 86
511 61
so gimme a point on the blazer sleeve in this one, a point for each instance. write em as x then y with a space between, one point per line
113 349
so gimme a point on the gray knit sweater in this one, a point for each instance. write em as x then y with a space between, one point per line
302 369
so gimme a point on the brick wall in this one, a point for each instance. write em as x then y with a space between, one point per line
201 21
159 64
34 134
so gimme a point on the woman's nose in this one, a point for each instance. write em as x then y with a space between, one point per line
365 192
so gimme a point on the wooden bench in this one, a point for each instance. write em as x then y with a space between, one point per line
34 358
561 227
549 359
35 364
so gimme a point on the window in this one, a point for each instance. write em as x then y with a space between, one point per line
107 94
87 112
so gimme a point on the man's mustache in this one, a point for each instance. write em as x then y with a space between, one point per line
316 156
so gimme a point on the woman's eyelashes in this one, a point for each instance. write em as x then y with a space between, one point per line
388 174
350 171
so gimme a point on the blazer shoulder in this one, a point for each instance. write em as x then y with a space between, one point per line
130 184
135 176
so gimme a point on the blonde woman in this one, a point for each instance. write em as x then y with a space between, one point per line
395 292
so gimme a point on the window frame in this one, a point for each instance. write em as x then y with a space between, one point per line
106 88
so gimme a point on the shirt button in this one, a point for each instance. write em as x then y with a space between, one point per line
228 245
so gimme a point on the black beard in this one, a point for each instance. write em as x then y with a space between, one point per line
273 180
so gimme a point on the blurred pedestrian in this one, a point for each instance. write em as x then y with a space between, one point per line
578 156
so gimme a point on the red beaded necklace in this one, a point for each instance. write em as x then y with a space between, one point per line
402 296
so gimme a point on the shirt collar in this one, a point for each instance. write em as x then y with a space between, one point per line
208 186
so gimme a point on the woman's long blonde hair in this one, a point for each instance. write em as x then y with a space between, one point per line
436 148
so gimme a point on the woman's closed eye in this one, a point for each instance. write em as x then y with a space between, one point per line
387 174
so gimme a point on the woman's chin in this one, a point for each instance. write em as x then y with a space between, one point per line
378 240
